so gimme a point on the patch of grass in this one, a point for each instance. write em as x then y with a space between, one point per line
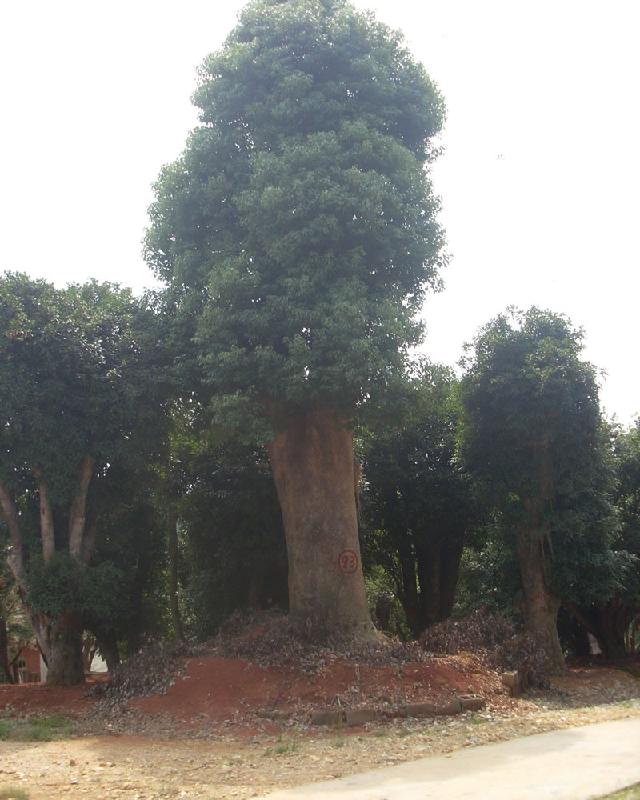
630 793
338 743
10 793
282 747
35 729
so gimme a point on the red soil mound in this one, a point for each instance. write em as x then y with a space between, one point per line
216 689
37 698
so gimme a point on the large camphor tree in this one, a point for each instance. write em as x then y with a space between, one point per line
297 234
76 396
534 438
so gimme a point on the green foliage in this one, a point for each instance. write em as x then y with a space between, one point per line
73 379
627 501
64 584
533 437
384 606
234 549
133 540
418 501
298 229
489 576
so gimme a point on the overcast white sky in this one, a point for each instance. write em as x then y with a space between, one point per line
540 181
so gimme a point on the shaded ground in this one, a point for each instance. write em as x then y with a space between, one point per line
204 738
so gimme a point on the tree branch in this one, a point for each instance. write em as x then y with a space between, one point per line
10 514
78 512
46 519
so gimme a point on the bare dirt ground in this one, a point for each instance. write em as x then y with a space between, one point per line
206 738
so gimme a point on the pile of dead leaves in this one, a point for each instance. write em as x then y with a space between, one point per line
266 638
494 639
150 671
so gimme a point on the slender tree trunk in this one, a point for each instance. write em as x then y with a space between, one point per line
313 468
438 568
540 606
450 558
65 665
15 554
89 647
408 591
429 568
78 510
47 533
173 574
5 669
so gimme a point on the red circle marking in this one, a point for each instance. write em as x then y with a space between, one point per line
348 562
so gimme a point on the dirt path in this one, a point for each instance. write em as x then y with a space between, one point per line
146 768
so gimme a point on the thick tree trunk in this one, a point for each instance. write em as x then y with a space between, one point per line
172 535
108 648
540 606
64 663
313 468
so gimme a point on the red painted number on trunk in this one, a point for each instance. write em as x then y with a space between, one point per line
348 562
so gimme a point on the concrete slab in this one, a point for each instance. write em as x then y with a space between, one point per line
573 764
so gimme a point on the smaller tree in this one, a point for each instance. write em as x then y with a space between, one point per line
76 396
419 502
533 437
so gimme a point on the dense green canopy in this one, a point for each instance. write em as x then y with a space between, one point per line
299 224
75 379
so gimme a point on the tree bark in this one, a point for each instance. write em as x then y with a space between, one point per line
78 510
15 556
65 665
47 532
408 590
540 606
173 574
429 569
5 668
450 565
313 468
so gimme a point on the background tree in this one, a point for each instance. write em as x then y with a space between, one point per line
613 619
418 500
76 396
533 436
234 555
300 227
135 606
